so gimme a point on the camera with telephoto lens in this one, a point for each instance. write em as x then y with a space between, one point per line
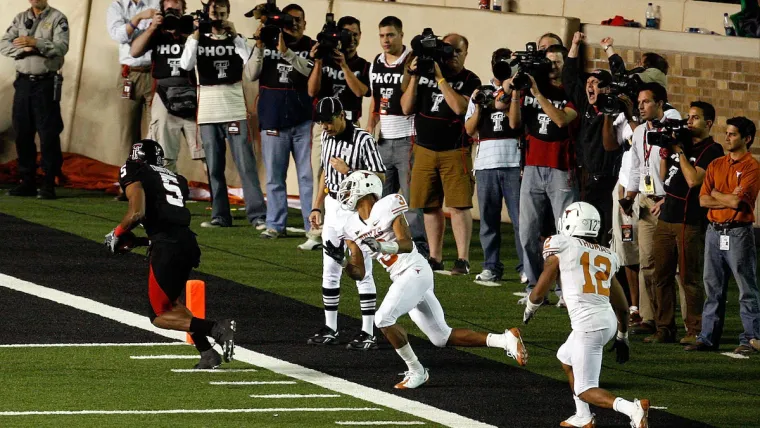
429 49
205 23
274 22
485 96
501 65
532 62
331 38
175 21
670 132
623 83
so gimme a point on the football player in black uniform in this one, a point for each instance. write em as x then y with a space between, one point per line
157 201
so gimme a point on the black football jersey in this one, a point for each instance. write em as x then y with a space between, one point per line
165 196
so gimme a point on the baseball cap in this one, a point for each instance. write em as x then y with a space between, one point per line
604 76
327 108
654 75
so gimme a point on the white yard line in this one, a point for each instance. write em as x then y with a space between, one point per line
163 357
371 423
276 365
736 356
294 395
658 407
254 382
213 370
181 411
77 345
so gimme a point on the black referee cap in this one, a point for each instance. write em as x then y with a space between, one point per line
327 109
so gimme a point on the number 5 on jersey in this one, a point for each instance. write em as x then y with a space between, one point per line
173 192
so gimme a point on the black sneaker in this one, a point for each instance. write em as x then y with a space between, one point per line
363 342
26 188
47 191
224 334
210 359
461 267
325 336
435 264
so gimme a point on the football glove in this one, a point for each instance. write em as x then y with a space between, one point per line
622 348
372 243
112 242
530 310
337 253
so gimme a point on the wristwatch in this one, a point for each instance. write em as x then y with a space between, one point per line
607 47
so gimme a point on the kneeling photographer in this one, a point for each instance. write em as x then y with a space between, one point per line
497 162
218 57
680 234
438 88
173 110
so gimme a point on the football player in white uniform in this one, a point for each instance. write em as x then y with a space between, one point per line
378 227
597 307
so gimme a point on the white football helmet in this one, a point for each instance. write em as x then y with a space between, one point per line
358 185
579 219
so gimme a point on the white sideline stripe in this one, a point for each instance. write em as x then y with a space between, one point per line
737 356
294 395
379 423
76 345
180 411
163 357
276 365
214 370
253 382
658 407
520 294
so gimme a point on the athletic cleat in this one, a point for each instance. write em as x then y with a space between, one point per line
640 417
561 303
363 342
311 244
210 359
325 336
517 350
413 380
576 421
224 334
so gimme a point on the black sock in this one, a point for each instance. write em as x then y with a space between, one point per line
201 342
201 326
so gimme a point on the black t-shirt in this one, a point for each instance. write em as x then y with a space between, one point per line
438 127
165 196
386 87
682 203
276 73
494 125
334 85
167 50
218 63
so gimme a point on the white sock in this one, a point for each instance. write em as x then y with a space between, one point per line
331 319
407 354
368 324
502 341
581 407
624 406
633 309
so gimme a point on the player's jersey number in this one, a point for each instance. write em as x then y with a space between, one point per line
173 192
598 283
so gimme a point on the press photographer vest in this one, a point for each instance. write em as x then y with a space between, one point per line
334 85
218 63
167 50
276 73
386 87
494 125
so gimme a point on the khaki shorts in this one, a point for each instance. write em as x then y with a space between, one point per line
167 130
436 174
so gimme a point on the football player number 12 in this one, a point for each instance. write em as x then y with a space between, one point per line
173 192
598 283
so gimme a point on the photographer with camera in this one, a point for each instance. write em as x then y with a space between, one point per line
173 110
280 63
218 58
597 160
680 234
497 162
437 92
548 181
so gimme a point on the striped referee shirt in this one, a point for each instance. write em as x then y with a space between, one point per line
356 147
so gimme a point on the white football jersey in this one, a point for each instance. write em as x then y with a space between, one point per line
379 225
586 271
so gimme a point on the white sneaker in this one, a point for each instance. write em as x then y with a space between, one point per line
259 224
579 422
413 380
486 275
516 348
523 278
311 244
561 303
640 417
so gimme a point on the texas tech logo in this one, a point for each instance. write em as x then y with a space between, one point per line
497 118
386 93
544 120
137 151
284 70
338 89
437 100
221 68
174 65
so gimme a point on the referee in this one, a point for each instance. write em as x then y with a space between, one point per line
345 148
37 40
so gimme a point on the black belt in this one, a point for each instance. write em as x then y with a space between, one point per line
655 198
730 225
35 77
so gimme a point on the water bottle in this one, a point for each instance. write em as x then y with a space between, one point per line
651 18
497 5
729 25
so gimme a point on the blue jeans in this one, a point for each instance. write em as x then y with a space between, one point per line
276 150
398 158
542 189
741 261
493 186
213 136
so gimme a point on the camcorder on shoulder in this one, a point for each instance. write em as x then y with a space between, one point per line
623 83
331 38
175 21
274 23
669 133
485 96
205 23
532 62
429 49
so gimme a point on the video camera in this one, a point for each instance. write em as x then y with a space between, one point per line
274 22
175 21
429 49
532 62
205 23
331 37
623 83
485 96
670 132
502 66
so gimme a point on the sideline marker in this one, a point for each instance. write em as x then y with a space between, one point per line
195 298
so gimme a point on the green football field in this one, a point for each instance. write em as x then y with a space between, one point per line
708 387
